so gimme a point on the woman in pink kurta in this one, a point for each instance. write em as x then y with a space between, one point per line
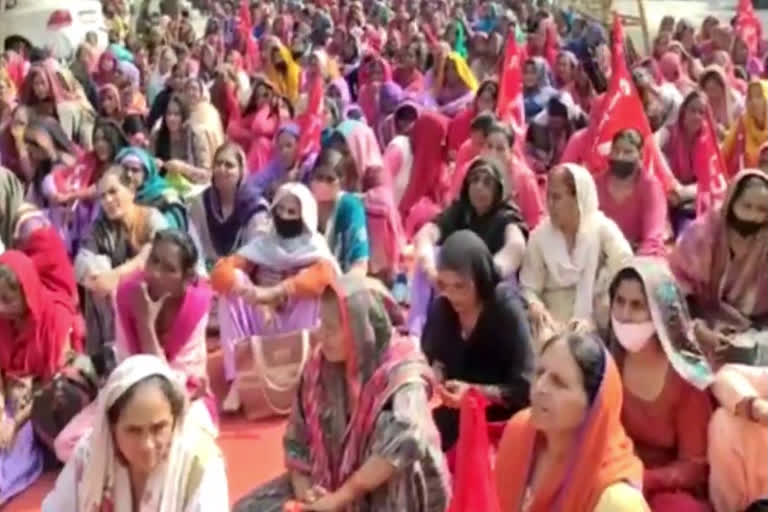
738 438
521 181
666 408
161 311
633 197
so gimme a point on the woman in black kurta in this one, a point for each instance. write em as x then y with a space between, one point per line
476 335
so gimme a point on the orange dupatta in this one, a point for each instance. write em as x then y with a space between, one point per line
602 455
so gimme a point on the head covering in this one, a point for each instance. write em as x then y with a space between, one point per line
703 264
390 96
37 348
428 137
602 455
754 134
672 320
286 84
342 86
275 170
190 447
225 232
490 227
733 102
466 253
57 92
113 90
537 98
281 254
462 70
101 77
363 148
671 67
377 365
577 266
131 72
154 185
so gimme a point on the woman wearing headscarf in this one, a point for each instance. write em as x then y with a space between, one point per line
8 98
571 254
569 451
741 147
44 93
286 163
358 428
726 102
255 130
428 176
363 162
665 375
150 187
476 335
719 262
673 72
375 72
722 59
182 471
537 89
229 213
282 70
39 330
116 245
453 85
203 116
738 438
129 83
550 131
110 104
287 266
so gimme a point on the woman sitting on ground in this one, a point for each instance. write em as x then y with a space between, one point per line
161 311
180 469
285 268
476 335
569 451
117 246
361 401
665 376
571 255
40 329
229 213
483 208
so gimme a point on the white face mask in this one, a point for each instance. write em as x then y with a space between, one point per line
635 336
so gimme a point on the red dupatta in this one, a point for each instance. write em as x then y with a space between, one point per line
428 173
52 324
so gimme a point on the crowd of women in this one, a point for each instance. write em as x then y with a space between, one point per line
349 168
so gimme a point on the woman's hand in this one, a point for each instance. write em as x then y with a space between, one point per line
175 166
759 411
581 325
452 392
145 308
321 500
7 432
102 284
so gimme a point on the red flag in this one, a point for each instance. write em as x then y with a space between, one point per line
622 109
710 169
474 486
245 21
748 26
509 107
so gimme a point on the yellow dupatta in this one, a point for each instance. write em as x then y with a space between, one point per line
462 69
285 84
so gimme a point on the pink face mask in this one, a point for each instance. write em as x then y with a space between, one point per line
323 192
635 336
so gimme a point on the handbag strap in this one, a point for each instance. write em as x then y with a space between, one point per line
258 355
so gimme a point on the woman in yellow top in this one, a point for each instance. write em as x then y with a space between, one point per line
741 147
568 452
282 70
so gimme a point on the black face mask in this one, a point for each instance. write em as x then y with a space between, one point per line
744 227
623 168
288 228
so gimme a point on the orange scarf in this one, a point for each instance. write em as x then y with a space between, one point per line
603 456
